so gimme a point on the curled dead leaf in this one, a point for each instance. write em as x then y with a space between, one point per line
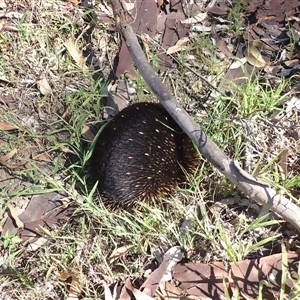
223 47
195 19
254 56
76 54
8 156
20 166
15 212
128 6
2 24
109 295
238 63
74 2
87 133
44 87
37 244
283 162
5 126
68 150
216 10
179 46
160 3
42 157
119 252
261 45
5 217
75 287
2 4
141 295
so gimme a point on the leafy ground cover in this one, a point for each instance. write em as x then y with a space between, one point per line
57 65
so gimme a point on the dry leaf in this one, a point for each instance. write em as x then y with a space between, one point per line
42 210
119 252
2 4
8 156
195 19
15 212
76 55
163 272
216 10
68 150
283 162
107 292
128 6
14 15
140 295
219 41
261 45
3 77
223 47
42 157
160 3
2 24
5 216
117 98
126 291
170 290
74 2
37 244
106 10
254 57
5 126
207 280
87 133
10 27
20 166
44 87
75 289
178 46
238 63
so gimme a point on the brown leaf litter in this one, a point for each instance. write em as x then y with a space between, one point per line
207 280
148 20
45 210
215 280
270 28
143 18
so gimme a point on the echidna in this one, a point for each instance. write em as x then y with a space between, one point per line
140 155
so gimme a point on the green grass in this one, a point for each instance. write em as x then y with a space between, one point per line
235 18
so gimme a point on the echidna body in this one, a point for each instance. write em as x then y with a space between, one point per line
140 155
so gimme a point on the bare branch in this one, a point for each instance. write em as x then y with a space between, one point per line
246 183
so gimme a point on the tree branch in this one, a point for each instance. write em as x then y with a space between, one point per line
253 188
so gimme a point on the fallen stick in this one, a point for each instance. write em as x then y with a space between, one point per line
253 188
